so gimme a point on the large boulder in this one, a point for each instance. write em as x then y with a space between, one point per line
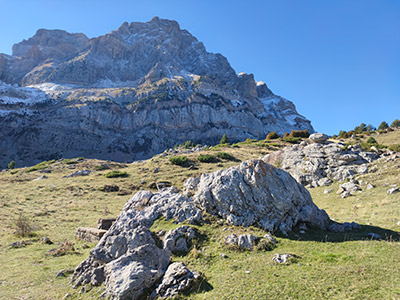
257 193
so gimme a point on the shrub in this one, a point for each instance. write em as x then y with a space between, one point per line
23 226
395 123
207 158
65 248
224 140
11 165
226 156
383 126
101 167
178 160
272 136
115 174
299 133
40 166
371 140
72 161
292 140
395 147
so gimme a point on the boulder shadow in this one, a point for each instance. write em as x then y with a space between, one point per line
362 234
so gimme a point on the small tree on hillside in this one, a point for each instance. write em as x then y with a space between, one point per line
383 126
224 140
11 165
395 123
370 127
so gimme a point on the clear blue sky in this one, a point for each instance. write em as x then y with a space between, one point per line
338 61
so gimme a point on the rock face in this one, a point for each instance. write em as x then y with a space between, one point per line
128 95
316 164
256 193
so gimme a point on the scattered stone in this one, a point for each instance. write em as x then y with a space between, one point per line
374 236
89 234
327 191
345 194
79 173
281 258
319 164
369 186
156 170
60 274
363 169
190 185
46 240
223 255
40 178
393 190
105 223
179 240
248 272
231 239
177 279
350 187
302 232
19 244
398 223
67 295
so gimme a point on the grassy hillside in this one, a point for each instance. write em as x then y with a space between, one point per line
328 266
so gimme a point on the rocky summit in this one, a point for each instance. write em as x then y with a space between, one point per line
127 95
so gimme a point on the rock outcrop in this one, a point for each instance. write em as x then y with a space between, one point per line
134 263
128 95
319 164
256 193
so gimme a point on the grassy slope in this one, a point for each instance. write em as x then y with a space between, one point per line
334 266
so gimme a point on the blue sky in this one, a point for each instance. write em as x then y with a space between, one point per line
338 61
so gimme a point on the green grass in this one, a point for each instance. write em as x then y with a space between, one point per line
115 174
328 265
40 166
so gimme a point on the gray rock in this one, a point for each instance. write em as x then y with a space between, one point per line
345 194
129 276
78 173
179 240
190 185
281 258
393 190
177 279
231 239
246 241
257 193
369 186
89 234
363 169
270 238
318 137
40 178
336 227
350 187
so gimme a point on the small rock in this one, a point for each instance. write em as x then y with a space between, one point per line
46 240
40 178
369 186
156 170
345 194
393 190
281 258
302 232
67 295
374 236
270 238
327 191
78 173
60 274
224 229
398 223
223 255
303 226
247 272
246 241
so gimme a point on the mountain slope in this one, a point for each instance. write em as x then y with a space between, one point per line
127 95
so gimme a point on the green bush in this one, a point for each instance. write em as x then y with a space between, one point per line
226 156
371 140
395 147
272 136
115 174
178 160
207 158
292 140
11 165
224 140
186 145
299 133
40 166
72 161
